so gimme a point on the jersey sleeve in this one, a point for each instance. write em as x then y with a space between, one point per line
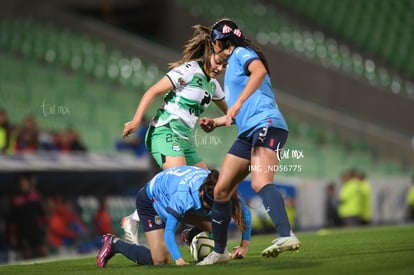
169 237
245 56
219 93
181 75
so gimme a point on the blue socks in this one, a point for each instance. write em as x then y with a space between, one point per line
275 208
220 219
136 253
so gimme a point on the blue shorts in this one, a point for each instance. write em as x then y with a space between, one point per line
272 138
148 217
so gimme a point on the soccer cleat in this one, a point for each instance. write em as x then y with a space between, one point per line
105 252
130 228
215 258
280 245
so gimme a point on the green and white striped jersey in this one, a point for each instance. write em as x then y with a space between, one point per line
192 94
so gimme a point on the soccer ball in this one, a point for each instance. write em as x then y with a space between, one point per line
201 246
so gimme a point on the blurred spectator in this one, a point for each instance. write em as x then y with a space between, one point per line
5 131
28 221
28 136
102 218
65 142
331 206
366 198
14 131
47 141
66 228
55 136
410 201
350 200
291 212
74 140
135 144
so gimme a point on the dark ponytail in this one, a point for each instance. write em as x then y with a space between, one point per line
208 187
237 213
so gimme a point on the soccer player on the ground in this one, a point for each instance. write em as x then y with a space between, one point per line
262 133
188 89
183 193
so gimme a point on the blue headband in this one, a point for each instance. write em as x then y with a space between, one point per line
225 32
208 199
217 35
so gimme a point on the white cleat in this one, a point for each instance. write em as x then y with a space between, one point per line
280 245
130 228
215 258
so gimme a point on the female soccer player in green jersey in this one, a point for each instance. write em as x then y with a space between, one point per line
188 89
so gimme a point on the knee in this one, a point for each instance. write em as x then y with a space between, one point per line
221 194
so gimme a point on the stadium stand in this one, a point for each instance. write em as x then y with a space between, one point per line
53 90
65 70
276 29
366 24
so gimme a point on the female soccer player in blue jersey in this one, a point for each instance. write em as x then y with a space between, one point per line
262 132
183 193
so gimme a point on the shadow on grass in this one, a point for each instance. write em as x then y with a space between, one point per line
261 264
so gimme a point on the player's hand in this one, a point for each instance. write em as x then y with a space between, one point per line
207 124
129 128
239 252
232 113
181 261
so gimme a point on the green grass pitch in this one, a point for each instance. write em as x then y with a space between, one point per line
371 250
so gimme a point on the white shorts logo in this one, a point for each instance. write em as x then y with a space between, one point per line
158 220
176 147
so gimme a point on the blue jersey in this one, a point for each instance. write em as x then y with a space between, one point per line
260 109
175 192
